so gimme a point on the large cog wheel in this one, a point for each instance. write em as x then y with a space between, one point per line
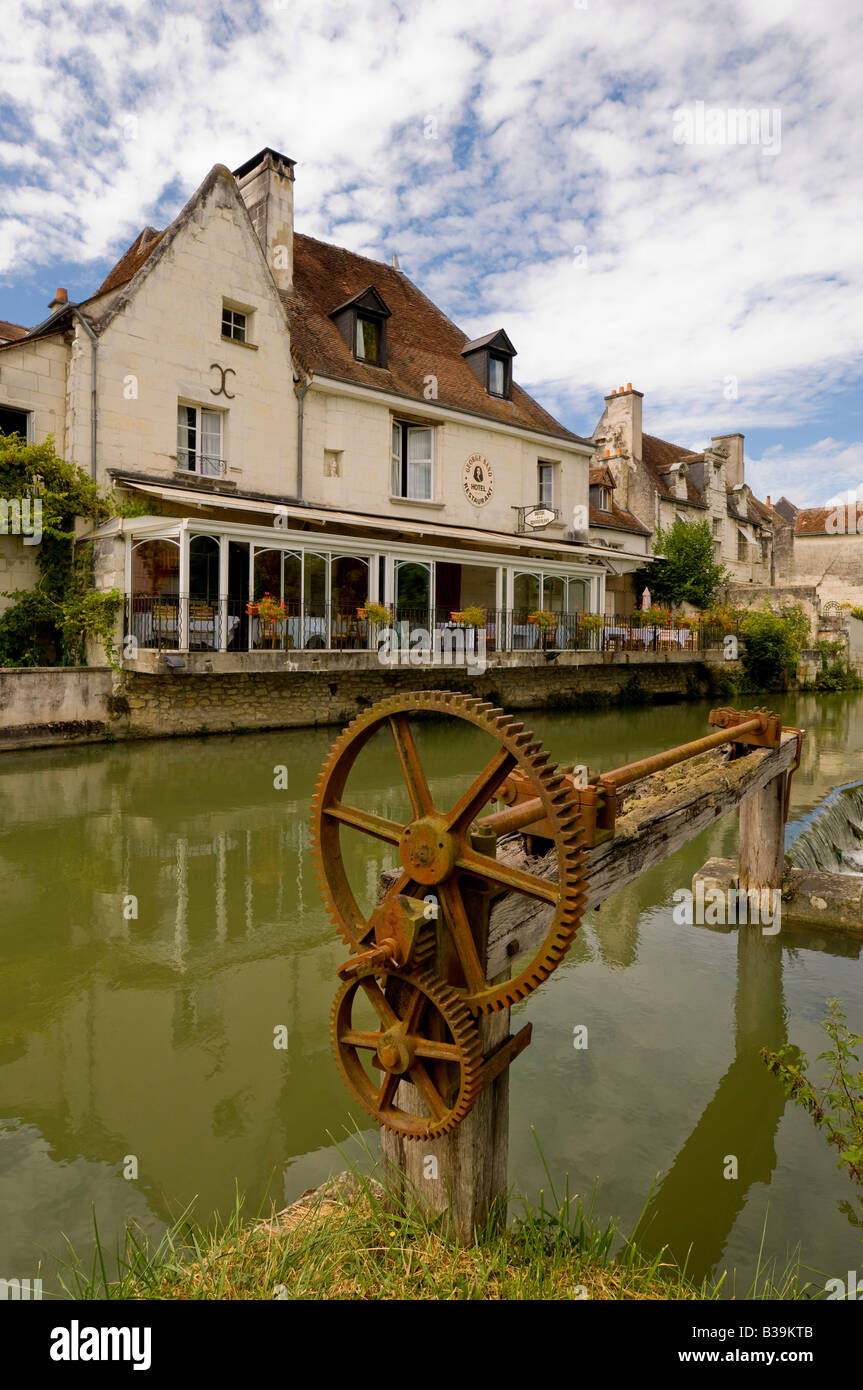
445 1070
435 845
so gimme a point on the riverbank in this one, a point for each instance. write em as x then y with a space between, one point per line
341 1242
44 707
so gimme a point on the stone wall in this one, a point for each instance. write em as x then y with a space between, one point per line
41 706
46 705
187 704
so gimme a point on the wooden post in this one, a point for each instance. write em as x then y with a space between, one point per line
761 841
469 1171
464 1172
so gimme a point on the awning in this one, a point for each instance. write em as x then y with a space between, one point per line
747 533
432 530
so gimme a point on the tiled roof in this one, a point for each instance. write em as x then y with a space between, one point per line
131 261
812 521
601 476
11 331
421 341
617 520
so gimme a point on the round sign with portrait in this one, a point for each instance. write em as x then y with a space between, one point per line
478 480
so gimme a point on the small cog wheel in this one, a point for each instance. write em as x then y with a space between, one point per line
425 1035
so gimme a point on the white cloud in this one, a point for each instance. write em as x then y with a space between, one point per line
816 476
554 129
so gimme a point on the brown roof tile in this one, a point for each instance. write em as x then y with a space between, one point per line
617 520
812 521
421 340
601 475
131 261
11 331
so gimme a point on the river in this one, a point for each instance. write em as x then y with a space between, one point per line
160 920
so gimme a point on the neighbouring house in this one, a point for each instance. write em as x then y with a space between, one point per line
827 550
652 481
299 421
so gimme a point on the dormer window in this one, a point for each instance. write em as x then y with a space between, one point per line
605 499
367 345
362 322
490 360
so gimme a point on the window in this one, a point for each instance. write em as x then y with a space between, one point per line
717 524
605 499
742 545
234 325
13 421
496 376
199 441
367 346
412 461
545 484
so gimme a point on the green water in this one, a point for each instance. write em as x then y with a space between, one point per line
151 1035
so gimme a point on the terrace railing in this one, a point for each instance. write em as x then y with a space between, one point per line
178 622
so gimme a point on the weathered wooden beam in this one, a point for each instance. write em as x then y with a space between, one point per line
665 812
761 842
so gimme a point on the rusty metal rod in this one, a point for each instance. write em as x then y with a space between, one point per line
658 762
525 812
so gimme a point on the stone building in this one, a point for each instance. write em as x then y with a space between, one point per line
827 550
655 481
299 421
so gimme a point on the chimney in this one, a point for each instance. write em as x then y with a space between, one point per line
769 503
623 411
266 184
60 300
734 462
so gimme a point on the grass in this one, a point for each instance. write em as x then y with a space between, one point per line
346 1241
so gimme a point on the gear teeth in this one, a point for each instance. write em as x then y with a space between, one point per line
560 809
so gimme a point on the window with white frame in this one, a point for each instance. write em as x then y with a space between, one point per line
412 461
605 499
13 421
545 484
234 324
199 441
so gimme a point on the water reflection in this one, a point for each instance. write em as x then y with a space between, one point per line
161 917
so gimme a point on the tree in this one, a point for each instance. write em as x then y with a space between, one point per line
687 573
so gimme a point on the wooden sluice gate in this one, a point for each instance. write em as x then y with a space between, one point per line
485 904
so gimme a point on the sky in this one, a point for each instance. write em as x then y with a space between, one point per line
668 194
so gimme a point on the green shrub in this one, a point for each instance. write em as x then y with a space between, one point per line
772 645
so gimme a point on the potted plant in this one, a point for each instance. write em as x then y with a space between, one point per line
590 622
471 616
546 621
376 613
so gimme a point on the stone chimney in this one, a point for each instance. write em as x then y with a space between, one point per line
618 437
266 184
734 462
60 300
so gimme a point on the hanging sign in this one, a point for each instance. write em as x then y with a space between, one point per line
538 517
478 480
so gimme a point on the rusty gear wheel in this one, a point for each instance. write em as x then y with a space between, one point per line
435 845
446 1070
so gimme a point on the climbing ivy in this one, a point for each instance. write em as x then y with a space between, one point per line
55 618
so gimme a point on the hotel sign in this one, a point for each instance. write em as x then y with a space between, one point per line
478 480
538 517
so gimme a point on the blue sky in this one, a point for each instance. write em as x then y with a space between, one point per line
541 167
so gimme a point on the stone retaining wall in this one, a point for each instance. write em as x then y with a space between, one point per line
98 704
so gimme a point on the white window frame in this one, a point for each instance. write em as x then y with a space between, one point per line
604 498
207 465
543 470
28 418
400 467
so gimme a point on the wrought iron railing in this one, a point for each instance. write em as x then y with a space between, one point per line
234 624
